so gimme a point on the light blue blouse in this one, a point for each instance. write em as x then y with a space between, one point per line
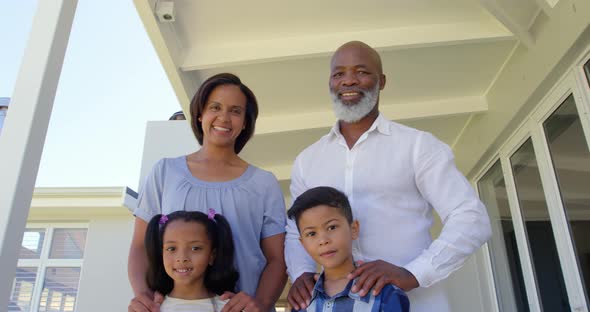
253 205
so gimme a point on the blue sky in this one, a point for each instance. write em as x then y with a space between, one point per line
111 84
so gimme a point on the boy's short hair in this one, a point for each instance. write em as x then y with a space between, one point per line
317 196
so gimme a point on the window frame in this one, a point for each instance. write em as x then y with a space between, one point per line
563 236
573 82
45 262
487 251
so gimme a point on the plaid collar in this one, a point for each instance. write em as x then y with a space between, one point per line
318 291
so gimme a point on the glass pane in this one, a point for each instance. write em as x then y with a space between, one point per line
22 291
32 244
508 277
60 289
571 161
539 230
68 244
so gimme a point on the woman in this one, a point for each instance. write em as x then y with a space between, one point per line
224 113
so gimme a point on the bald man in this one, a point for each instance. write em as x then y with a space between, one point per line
394 176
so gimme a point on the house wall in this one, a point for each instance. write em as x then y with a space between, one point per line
464 287
103 281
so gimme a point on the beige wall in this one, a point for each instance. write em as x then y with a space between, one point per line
467 288
103 282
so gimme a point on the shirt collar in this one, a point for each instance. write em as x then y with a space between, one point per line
318 290
380 124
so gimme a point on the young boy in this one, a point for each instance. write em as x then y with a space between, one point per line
326 228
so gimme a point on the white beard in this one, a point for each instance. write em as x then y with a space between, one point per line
352 113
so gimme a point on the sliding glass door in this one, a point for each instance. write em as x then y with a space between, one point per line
537 192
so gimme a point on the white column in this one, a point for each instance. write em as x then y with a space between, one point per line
25 127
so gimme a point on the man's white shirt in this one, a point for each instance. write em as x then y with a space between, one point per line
394 176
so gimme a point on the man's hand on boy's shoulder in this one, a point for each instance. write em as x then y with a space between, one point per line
300 292
377 274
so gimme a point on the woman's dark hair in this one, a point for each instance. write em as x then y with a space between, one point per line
221 276
199 102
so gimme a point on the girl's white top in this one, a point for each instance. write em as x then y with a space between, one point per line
213 304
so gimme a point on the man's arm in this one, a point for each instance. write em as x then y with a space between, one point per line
378 274
466 224
300 265
301 269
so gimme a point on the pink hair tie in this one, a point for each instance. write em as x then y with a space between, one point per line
163 219
211 214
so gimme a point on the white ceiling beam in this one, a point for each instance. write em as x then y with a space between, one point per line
249 51
547 3
175 76
501 12
77 202
405 111
547 6
69 192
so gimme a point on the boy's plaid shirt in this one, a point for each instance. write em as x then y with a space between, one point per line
391 299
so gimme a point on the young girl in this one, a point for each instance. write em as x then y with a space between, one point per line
190 260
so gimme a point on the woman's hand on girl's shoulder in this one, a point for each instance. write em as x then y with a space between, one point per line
240 302
146 302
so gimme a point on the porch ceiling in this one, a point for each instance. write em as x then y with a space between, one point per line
440 59
277 151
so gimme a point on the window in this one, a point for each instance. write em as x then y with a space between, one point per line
539 230
571 162
503 249
536 193
48 270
